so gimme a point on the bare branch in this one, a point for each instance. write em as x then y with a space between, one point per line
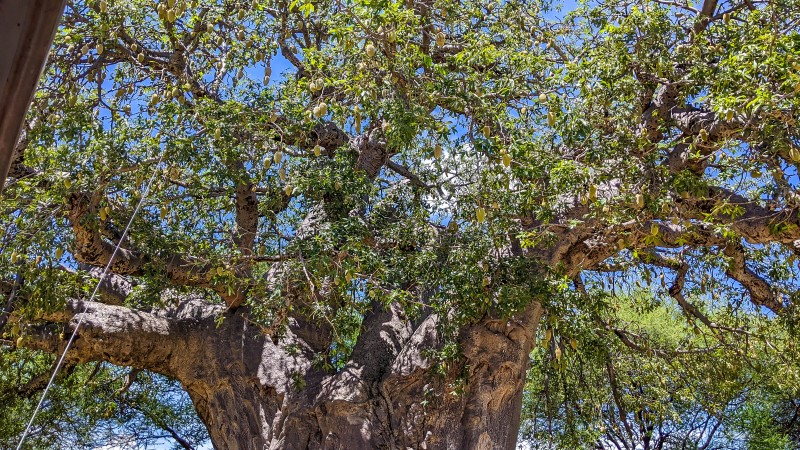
405 172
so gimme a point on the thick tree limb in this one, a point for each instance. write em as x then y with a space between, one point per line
123 336
114 289
706 13
760 291
91 248
246 218
757 224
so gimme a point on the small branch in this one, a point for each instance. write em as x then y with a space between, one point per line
129 380
8 308
39 382
405 172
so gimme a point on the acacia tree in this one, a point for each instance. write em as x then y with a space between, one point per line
362 209
687 390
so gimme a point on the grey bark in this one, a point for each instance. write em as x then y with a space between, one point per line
256 392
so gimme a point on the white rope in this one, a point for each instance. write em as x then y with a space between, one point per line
83 314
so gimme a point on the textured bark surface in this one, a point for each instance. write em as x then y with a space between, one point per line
256 393
386 397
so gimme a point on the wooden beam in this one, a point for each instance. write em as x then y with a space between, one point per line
27 28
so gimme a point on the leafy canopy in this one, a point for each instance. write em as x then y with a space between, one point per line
465 157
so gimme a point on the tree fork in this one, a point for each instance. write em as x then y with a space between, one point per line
254 392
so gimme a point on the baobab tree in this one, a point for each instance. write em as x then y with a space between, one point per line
355 214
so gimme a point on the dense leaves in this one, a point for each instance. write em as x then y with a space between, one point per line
468 158
647 380
93 405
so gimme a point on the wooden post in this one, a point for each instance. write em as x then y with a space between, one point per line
27 28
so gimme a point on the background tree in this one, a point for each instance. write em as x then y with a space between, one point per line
357 253
94 405
648 380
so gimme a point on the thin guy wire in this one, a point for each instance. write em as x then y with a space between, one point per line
86 308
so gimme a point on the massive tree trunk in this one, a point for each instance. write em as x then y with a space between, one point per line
256 392
261 389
